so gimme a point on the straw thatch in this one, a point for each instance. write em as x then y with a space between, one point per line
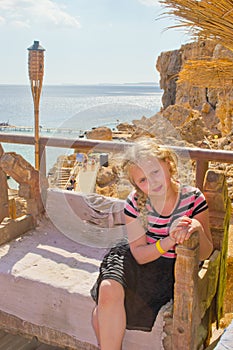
204 19
214 73
208 19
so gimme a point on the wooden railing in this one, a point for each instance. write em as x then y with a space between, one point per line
202 157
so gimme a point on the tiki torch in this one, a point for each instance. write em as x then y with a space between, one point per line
36 72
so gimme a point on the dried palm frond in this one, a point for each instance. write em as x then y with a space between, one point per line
214 73
212 19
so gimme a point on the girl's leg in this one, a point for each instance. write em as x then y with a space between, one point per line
109 318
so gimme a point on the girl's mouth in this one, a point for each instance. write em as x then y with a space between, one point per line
158 189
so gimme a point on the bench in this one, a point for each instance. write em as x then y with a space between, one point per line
46 275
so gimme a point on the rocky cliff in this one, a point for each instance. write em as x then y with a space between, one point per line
214 105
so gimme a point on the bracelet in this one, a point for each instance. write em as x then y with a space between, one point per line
158 246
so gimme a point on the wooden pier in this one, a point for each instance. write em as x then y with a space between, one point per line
6 128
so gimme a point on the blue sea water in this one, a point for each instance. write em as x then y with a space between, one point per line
76 107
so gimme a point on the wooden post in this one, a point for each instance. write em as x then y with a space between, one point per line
36 72
216 193
201 168
185 315
198 295
4 203
42 159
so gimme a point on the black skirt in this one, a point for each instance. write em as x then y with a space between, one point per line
147 287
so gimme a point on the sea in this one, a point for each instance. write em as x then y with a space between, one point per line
70 110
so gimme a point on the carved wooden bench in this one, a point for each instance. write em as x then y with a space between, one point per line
46 275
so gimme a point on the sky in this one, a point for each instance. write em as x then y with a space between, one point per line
86 41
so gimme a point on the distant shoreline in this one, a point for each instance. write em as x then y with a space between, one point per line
155 84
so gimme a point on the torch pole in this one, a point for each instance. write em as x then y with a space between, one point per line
36 72
36 127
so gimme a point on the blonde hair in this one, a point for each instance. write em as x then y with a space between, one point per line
141 150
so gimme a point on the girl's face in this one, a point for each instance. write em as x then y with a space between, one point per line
152 176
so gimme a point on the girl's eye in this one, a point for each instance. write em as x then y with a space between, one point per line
142 180
156 171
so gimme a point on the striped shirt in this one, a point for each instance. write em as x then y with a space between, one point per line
191 202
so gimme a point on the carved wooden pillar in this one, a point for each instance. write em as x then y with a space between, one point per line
32 185
198 295
185 313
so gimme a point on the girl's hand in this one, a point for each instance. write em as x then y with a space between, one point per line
182 228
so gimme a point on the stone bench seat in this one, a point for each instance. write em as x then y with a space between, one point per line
46 279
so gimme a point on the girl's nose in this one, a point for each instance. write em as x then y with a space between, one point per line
152 183
153 178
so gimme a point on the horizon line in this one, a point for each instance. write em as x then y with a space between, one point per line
82 84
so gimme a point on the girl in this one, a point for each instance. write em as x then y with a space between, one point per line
136 278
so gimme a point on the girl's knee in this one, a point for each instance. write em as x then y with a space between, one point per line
110 291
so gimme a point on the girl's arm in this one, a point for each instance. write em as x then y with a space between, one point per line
183 227
143 252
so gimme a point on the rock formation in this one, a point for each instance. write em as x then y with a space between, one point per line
101 133
214 105
32 184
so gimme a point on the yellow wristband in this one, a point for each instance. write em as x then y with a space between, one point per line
160 249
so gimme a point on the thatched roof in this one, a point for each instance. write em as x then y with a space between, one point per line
213 73
211 19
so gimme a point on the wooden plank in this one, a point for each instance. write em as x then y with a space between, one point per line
10 341
208 281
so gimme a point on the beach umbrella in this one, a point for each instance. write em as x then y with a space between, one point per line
36 73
